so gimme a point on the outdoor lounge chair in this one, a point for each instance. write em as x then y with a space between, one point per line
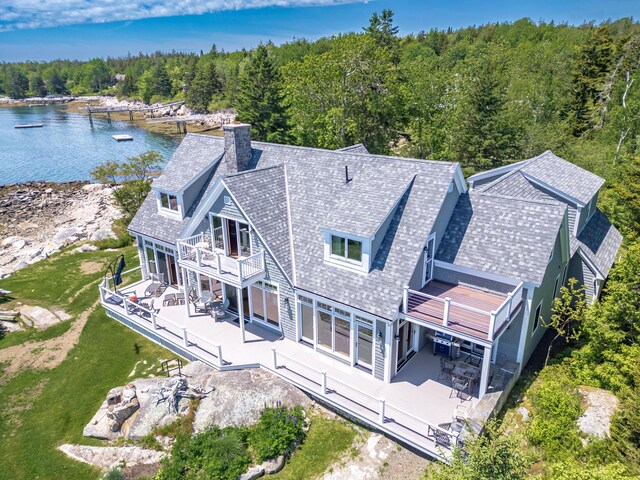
157 286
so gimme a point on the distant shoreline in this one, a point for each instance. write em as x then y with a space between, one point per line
76 104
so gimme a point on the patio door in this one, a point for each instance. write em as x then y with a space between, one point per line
364 346
429 254
238 239
405 343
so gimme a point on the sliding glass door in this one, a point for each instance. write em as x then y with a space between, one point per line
264 303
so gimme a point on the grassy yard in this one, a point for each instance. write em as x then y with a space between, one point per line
43 409
326 441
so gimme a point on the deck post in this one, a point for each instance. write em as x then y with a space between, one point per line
241 312
405 299
218 263
381 412
445 314
153 320
219 349
198 257
509 299
184 337
492 325
324 382
484 376
275 358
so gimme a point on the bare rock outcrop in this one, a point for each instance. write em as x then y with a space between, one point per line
107 457
39 218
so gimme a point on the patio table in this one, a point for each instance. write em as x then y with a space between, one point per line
467 372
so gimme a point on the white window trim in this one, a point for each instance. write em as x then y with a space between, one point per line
352 359
167 211
346 258
264 322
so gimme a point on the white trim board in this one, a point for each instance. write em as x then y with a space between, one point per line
479 273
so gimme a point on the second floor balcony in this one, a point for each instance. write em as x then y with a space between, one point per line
202 253
460 309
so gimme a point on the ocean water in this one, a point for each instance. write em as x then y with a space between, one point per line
66 148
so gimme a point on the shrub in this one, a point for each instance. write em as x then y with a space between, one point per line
217 454
278 429
114 473
556 408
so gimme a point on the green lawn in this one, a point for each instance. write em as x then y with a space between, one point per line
42 410
326 441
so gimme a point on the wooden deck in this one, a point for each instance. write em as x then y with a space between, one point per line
469 311
407 408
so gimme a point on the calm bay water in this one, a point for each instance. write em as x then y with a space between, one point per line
66 148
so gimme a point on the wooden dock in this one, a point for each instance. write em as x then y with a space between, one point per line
181 122
130 110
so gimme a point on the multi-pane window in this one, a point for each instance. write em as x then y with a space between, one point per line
334 329
347 249
170 202
264 302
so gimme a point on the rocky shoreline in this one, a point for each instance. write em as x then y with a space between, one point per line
40 218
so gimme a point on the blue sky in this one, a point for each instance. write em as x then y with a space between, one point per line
90 32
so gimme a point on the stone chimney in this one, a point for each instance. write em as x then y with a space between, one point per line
237 146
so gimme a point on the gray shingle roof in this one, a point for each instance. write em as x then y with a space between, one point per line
556 172
357 148
262 194
599 240
194 154
315 181
359 207
564 176
515 184
502 235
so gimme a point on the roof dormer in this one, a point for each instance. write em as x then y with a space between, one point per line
348 251
170 204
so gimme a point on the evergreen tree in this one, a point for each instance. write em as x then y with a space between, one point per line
161 81
261 99
16 84
55 82
37 87
482 135
589 74
204 87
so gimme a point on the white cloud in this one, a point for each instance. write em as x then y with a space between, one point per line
28 14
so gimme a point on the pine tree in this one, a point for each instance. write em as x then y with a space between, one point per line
261 99
204 87
589 74
16 84
37 87
161 81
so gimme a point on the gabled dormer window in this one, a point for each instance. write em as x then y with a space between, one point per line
170 202
346 249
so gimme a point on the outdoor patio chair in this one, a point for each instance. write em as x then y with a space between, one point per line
461 412
446 368
442 439
459 389
473 361
199 305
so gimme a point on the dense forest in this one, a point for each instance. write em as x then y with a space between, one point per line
483 96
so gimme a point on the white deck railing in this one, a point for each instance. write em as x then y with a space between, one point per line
328 387
151 320
497 318
196 249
